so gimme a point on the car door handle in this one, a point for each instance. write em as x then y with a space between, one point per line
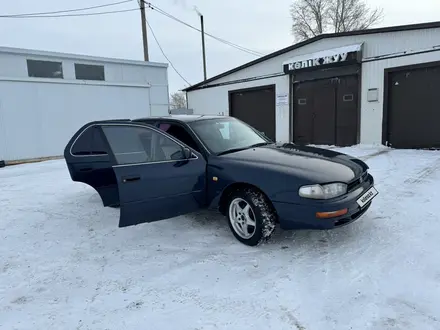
130 178
85 169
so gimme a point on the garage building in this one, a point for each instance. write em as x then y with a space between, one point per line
46 97
377 86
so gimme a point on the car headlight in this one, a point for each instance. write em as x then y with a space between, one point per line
325 191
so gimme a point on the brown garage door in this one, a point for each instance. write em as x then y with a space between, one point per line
326 111
413 108
255 107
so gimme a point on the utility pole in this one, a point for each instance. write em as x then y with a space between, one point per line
203 45
144 29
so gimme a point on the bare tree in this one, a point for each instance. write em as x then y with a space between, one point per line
314 17
178 100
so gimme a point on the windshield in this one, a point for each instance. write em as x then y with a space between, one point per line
224 134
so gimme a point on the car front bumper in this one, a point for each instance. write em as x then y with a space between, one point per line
304 216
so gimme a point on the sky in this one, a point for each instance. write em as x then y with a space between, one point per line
261 25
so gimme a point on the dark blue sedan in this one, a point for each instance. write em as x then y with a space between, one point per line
159 168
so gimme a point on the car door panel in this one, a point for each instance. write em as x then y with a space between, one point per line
101 177
158 187
153 192
88 160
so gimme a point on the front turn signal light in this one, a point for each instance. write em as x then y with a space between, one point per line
333 214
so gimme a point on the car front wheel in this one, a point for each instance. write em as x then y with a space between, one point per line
251 217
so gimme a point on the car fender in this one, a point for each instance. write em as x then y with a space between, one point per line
276 182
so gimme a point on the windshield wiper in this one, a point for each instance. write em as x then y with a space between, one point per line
231 151
243 148
260 144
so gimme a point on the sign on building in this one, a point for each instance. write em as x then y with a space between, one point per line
326 58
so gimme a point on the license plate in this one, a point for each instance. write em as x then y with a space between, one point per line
367 197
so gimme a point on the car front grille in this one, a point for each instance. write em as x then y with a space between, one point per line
355 183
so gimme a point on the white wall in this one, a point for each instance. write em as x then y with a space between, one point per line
38 119
136 73
214 100
39 115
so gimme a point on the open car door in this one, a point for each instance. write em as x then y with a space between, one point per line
157 176
89 161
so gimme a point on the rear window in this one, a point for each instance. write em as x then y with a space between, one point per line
90 142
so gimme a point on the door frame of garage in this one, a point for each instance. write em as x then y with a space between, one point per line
386 91
347 70
253 89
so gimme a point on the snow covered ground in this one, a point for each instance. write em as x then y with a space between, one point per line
64 264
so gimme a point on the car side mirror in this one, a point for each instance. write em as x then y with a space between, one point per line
187 153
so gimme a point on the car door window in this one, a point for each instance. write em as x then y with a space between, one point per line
89 143
135 145
179 133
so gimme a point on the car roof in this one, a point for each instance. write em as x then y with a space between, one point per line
182 118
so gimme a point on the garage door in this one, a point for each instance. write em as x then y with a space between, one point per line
326 111
413 108
255 107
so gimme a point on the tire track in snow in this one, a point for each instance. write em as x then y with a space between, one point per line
374 154
424 173
413 174
385 167
404 175
410 310
291 318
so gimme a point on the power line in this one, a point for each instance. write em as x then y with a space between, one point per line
244 49
72 15
247 50
61 13
163 53
68 10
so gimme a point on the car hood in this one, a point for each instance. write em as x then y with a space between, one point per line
317 164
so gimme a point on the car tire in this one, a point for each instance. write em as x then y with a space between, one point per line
261 214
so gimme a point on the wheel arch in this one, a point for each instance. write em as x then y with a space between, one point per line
227 192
